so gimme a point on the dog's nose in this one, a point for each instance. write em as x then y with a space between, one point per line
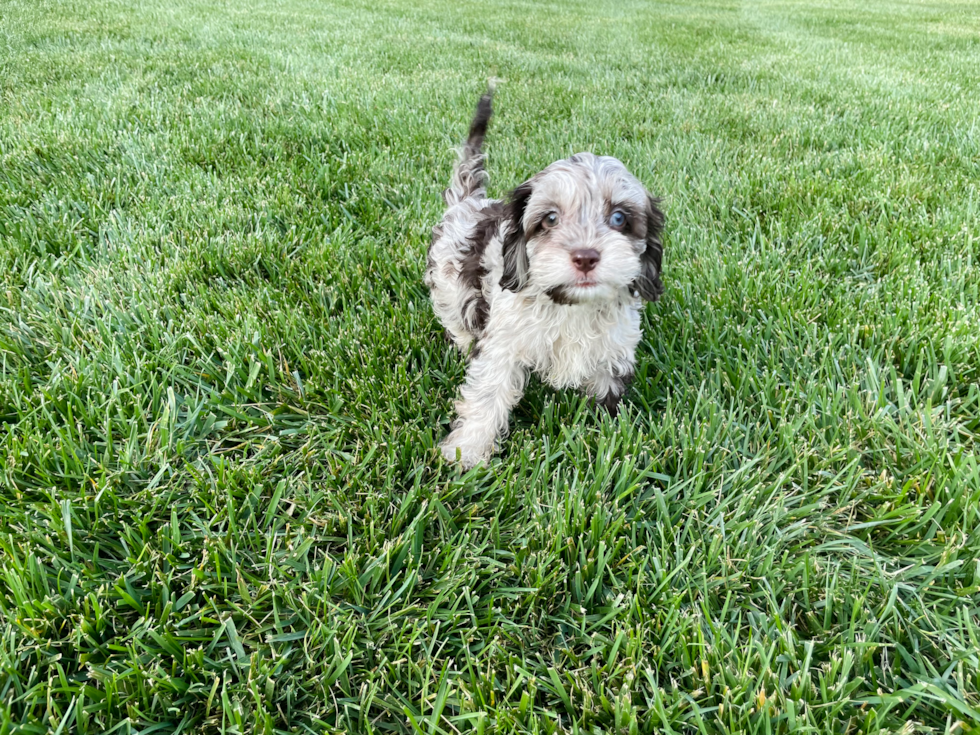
585 260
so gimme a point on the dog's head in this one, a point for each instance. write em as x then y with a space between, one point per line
583 230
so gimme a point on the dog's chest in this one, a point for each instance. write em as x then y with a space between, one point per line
574 343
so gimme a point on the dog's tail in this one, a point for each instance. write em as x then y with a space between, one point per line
469 179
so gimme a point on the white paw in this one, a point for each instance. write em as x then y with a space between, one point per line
456 449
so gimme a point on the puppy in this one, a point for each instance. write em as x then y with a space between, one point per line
550 280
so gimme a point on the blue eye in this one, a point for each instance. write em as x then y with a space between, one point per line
550 220
617 220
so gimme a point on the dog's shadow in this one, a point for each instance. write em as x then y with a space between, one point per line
545 410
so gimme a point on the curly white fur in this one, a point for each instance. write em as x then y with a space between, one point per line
550 281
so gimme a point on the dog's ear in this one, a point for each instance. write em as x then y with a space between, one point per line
649 285
516 265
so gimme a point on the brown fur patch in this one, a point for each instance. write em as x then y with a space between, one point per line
560 295
611 400
472 272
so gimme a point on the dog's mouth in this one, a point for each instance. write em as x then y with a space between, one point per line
577 292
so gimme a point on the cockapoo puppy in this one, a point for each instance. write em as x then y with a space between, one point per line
551 280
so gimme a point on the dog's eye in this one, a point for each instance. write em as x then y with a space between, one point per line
617 220
550 220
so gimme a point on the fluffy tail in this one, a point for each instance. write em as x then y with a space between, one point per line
469 179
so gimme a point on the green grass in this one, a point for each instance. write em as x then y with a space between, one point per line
222 385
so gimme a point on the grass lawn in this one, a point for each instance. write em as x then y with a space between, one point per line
222 384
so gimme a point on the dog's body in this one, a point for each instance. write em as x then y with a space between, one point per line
550 281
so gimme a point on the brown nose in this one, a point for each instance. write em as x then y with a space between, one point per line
585 260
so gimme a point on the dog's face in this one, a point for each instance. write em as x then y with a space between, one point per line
583 230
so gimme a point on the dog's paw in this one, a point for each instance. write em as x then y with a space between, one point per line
455 448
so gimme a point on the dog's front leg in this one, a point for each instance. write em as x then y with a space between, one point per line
494 384
608 385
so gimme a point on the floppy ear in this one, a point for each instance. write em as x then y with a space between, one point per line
516 265
648 284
